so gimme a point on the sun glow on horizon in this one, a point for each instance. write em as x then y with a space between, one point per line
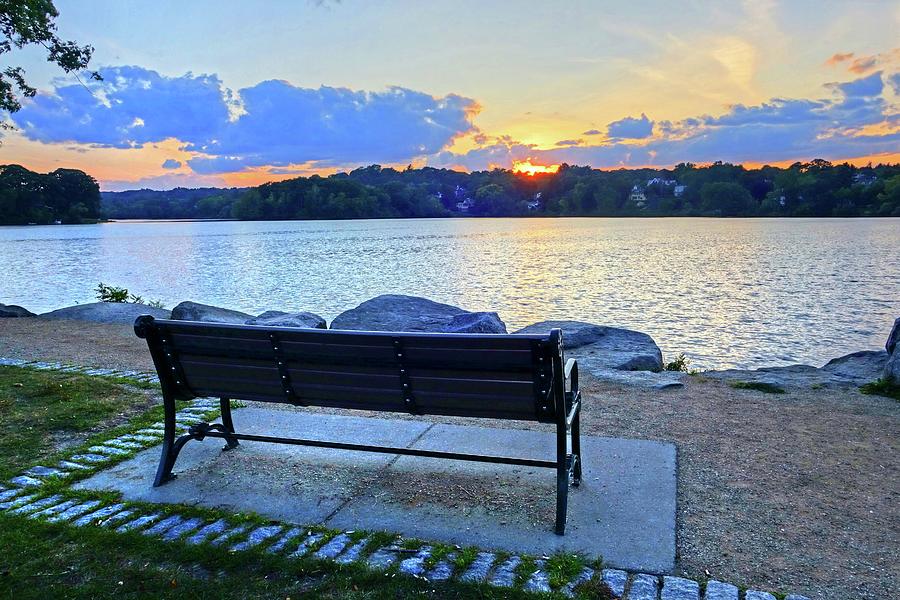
526 167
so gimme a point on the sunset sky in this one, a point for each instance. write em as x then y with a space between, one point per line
236 93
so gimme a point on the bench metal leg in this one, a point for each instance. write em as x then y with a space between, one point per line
576 449
169 451
225 409
562 474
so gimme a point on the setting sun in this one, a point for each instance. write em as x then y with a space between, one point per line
527 168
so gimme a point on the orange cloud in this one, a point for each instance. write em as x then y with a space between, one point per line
838 58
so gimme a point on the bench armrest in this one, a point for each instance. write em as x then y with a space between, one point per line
571 368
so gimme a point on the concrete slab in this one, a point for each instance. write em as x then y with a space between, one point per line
624 510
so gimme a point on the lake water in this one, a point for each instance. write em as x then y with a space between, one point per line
726 292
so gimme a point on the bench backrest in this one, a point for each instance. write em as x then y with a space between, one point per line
475 375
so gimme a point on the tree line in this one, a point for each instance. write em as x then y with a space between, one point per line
805 189
64 196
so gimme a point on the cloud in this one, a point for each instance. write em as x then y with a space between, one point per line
272 123
592 132
166 181
569 142
631 127
129 108
780 129
863 64
838 58
171 163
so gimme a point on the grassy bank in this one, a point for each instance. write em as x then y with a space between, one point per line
47 414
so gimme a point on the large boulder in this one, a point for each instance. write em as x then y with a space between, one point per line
393 312
891 370
893 337
194 311
277 318
857 368
11 311
106 312
599 348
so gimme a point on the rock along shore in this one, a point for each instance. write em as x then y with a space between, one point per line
608 353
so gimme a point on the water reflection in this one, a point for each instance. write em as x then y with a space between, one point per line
727 292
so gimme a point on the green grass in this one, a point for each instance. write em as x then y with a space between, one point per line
882 387
41 410
41 560
759 386
562 567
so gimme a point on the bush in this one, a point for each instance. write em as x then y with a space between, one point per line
680 363
109 293
759 386
882 387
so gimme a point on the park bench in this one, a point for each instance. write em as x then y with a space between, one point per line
488 376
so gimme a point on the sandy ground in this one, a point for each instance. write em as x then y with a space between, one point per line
795 492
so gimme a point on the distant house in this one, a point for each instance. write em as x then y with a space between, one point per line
638 197
864 178
535 203
661 181
679 190
464 205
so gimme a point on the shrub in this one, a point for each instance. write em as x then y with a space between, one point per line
680 363
109 293
882 387
759 386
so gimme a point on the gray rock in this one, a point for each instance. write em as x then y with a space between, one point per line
276 318
47 512
98 515
443 569
36 505
411 313
476 322
795 597
208 531
893 337
353 553
75 511
282 542
11 311
194 311
7 494
26 481
892 367
539 581
586 574
106 312
717 590
858 368
257 537
138 523
19 501
415 564
757 595
505 573
599 348
615 579
164 525
45 472
183 528
479 568
678 588
644 587
333 547
383 558
230 533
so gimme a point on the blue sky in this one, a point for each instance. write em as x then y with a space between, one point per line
200 93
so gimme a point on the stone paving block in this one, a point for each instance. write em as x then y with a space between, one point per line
75 511
284 540
615 579
140 437
138 523
586 574
306 544
415 564
152 431
185 527
18 501
539 581
383 558
53 510
505 573
118 517
97 515
45 472
257 537
164 525
333 547
7 494
479 568
757 595
90 458
230 533
718 590
26 481
208 531
443 569
679 588
36 505
108 450
353 553
73 466
125 444
644 587
795 597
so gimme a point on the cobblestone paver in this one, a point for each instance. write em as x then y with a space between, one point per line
644 587
383 558
208 531
308 543
717 590
284 540
505 573
333 547
183 528
443 569
615 579
478 570
98 515
353 553
586 574
257 537
538 581
757 595
678 588
415 564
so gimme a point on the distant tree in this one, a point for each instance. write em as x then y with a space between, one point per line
31 22
727 199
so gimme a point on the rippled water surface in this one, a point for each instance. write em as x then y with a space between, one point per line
727 292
